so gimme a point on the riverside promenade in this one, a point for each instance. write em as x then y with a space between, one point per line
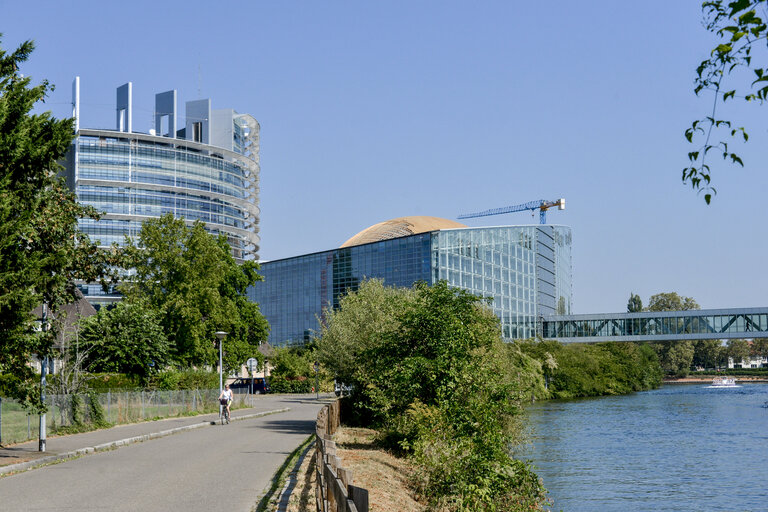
174 464
22 456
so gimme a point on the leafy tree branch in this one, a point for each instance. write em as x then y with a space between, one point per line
741 32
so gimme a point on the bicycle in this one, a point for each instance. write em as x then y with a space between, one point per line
224 414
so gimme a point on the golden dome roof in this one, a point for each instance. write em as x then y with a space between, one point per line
402 226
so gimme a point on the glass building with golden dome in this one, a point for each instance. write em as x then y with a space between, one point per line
526 270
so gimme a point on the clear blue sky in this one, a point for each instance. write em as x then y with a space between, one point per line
376 110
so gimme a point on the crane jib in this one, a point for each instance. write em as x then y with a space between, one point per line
541 205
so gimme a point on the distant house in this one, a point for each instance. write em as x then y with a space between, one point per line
751 362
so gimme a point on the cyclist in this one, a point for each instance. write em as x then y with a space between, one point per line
226 398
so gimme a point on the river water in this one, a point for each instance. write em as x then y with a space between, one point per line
680 447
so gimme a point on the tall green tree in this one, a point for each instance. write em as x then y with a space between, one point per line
41 250
594 369
671 301
738 350
192 278
126 339
708 353
675 357
361 323
679 358
759 347
634 304
292 362
740 26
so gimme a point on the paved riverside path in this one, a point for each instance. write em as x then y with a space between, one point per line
224 466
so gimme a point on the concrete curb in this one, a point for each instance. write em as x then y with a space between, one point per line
30 464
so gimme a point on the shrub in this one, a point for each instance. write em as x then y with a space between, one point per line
126 338
164 380
184 379
102 382
96 411
284 385
430 371
75 410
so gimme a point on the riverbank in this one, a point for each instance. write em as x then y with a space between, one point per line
707 379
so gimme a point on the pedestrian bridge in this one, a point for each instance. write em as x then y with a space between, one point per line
702 324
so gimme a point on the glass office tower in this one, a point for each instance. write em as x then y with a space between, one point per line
526 270
206 171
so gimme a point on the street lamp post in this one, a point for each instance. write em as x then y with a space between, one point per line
42 425
317 382
43 370
221 335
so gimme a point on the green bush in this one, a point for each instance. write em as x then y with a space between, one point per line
596 369
96 411
283 385
431 373
102 382
183 379
75 410
164 380
126 338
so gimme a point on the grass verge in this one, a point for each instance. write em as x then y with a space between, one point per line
388 479
270 498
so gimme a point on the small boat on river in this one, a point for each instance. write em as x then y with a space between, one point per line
724 382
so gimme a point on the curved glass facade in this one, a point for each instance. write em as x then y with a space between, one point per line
207 171
526 270
132 177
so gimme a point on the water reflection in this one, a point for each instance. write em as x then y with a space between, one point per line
681 447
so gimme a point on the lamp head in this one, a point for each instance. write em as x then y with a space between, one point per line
221 335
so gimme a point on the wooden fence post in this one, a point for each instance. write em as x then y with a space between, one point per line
334 491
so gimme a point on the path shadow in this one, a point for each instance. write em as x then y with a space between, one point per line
305 400
289 426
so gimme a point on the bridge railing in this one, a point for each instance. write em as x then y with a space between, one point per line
658 326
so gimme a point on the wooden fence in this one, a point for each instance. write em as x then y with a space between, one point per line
334 491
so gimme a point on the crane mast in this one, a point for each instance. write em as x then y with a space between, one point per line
540 204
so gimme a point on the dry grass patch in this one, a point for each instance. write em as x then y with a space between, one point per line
386 477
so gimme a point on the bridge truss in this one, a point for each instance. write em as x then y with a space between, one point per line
657 326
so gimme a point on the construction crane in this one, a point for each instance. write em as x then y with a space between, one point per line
539 204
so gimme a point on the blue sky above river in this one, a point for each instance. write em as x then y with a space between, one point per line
371 111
